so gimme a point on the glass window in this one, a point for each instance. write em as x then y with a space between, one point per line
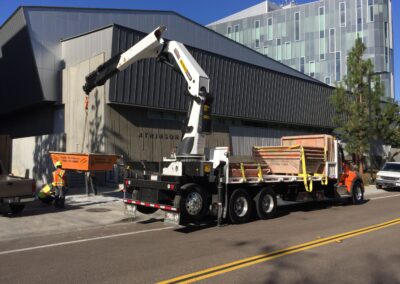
342 14
302 62
269 29
370 10
328 80
229 31
337 66
386 44
257 32
312 68
322 45
278 49
236 29
297 26
266 50
359 15
288 50
332 40
391 167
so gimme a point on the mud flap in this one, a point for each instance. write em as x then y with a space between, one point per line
172 218
130 210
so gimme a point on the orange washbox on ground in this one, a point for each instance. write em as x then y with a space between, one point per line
85 161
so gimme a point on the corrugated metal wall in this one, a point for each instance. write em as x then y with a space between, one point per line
241 90
244 138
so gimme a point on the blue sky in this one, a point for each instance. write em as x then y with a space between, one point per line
201 11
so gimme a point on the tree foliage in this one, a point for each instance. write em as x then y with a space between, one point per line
363 114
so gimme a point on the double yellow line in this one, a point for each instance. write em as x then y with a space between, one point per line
221 269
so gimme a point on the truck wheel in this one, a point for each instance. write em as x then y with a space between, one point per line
357 193
378 186
16 208
266 203
146 210
193 203
240 206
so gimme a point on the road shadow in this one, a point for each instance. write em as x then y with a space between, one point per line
37 209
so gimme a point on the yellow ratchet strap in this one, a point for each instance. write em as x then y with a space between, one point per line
260 173
243 172
308 186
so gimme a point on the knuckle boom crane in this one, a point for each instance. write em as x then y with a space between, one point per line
191 184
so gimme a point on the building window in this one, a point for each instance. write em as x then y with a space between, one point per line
312 68
342 14
359 15
236 30
265 50
322 48
257 32
297 26
328 80
386 34
229 31
302 62
337 66
332 41
269 29
278 49
370 10
288 50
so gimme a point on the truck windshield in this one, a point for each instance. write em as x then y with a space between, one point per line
391 167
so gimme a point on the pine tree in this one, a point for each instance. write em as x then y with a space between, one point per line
362 116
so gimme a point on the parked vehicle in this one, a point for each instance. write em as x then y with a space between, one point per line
15 191
388 176
194 183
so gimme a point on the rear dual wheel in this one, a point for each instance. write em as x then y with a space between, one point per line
241 205
266 203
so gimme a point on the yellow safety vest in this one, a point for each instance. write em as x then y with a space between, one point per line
58 178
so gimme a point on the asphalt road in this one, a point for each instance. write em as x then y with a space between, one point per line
305 244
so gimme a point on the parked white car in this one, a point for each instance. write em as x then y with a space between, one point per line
389 176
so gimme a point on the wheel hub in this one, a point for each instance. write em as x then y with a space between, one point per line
268 203
194 203
241 206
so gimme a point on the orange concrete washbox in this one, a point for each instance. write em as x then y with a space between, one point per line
85 161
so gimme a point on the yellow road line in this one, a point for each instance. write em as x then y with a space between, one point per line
231 266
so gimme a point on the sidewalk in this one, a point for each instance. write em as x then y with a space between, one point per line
80 212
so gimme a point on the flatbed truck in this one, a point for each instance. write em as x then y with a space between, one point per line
195 183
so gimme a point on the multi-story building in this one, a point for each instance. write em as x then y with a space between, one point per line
316 37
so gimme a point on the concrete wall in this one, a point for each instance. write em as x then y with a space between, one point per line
32 154
144 134
82 129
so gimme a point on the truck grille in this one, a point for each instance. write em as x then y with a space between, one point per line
389 178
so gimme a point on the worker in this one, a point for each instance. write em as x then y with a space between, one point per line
59 185
46 194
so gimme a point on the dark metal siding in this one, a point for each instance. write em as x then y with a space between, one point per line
241 90
20 86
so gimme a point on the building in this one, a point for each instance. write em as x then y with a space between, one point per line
48 51
315 37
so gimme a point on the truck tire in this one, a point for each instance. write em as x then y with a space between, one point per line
266 203
357 193
146 210
240 206
378 186
193 203
16 208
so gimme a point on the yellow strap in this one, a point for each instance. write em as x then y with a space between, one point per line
308 186
260 173
242 171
